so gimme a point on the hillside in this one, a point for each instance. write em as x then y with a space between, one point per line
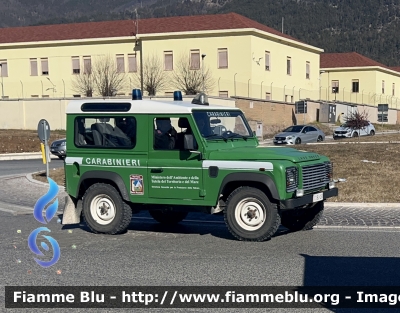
370 27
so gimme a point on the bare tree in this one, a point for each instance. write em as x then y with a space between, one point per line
83 83
190 78
154 78
108 78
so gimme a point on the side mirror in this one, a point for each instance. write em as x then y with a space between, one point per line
188 142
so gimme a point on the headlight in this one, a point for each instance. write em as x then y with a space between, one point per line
291 179
349 130
289 137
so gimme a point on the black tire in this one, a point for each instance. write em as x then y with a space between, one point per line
304 219
335 138
298 141
103 199
355 134
265 210
168 217
319 139
61 157
371 133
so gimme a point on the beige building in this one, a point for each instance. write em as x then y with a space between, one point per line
245 58
354 78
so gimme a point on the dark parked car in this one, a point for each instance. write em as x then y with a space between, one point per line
58 148
299 134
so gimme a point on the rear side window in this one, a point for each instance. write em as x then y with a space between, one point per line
105 132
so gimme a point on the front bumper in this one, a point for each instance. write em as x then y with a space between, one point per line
307 199
57 151
283 142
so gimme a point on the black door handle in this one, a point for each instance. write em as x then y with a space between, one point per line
156 170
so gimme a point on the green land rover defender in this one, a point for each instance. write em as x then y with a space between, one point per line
175 157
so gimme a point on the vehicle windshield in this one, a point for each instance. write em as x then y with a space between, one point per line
293 129
222 124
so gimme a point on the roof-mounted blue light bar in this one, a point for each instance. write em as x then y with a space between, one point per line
136 94
177 95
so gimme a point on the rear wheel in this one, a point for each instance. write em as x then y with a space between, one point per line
297 141
371 133
319 139
104 211
168 217
303 219
250 216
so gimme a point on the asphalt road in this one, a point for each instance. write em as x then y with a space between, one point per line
194 253
26 166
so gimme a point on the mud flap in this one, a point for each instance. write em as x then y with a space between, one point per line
72 212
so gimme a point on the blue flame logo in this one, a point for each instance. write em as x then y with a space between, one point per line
49 213
43 201
34 248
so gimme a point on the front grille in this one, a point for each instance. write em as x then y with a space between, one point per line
315 176
280 138
341 132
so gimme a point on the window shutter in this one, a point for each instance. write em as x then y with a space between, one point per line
87 64
223 58
168 59
195 60
45 66
267 64
132 63
120 64
34 71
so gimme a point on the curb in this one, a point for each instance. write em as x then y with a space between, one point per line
363 205
23 156
30 178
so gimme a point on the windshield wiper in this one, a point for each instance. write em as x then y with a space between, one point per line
215 136
233 135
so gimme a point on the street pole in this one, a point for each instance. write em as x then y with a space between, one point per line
2 84
202 70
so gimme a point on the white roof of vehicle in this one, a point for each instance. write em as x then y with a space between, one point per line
146 106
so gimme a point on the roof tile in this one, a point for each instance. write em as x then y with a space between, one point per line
349 59
122 28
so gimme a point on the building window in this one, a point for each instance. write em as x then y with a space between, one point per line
267 61
223 94
307 70
335 86
4 68
223 58
87 65
383 86
45 66
355 85
76 67
132 63
267 96
393 89
168 61
194 59
34 96
289 66
120 63
34 71
45 96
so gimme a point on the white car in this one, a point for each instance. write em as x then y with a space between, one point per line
346 132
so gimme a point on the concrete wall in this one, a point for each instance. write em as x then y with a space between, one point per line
26 114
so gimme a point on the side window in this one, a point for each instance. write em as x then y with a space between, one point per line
311 129
105 132
169 133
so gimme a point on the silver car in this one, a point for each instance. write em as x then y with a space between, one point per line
346 132
298 134
58 148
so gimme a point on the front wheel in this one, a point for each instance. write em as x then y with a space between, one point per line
168 217
355 134
304 219
298 141
104 211
250 216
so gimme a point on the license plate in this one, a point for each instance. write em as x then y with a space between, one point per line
318 197
279 141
